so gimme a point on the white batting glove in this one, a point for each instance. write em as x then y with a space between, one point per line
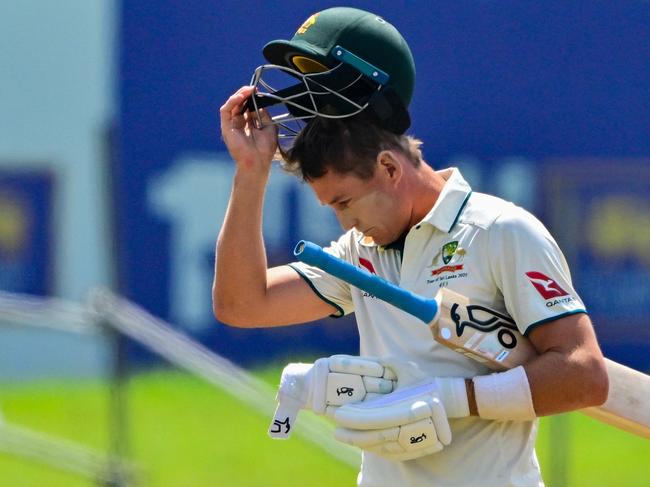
324 386
452 390
409 423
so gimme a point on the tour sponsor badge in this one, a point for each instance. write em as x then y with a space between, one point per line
549 289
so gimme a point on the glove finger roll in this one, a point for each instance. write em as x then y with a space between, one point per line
348 364
320 370
418 435
389 374
366 438
378 385
440 421
394 452
364 416
344 388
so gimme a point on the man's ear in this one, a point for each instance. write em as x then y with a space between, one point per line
390 166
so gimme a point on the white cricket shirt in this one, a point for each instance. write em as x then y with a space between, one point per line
498 255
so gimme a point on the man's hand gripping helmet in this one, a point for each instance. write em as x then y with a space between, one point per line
346 61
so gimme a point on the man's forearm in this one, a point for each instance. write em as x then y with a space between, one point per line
240 266
569 373
556 384
565 382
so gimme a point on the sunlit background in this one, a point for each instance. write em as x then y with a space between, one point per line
113 177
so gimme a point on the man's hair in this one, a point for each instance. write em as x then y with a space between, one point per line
344 146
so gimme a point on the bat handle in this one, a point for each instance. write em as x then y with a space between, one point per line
423 308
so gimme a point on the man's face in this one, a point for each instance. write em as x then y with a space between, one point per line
374 206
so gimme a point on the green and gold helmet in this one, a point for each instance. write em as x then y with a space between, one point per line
346 61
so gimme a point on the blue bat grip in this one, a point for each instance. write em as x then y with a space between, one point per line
422 308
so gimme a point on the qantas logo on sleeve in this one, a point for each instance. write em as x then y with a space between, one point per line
545 286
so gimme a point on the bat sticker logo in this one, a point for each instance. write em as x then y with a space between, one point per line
277 426
485 320
545 286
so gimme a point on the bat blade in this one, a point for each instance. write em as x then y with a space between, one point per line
628 402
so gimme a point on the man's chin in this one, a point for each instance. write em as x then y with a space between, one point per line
379 240
385 241
370 240
382 240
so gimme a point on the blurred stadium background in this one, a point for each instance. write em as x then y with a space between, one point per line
113 176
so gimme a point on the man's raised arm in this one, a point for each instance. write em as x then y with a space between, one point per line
245 293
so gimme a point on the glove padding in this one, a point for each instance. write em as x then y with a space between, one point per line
325 385
408 423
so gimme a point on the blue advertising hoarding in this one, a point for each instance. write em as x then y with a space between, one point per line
496 81
26 223
600 209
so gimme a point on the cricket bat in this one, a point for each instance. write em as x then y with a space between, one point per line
489 337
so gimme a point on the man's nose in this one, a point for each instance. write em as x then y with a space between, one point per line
346 221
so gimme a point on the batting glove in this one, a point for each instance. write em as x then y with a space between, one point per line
324 386
408 423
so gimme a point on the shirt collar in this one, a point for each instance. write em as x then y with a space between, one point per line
451 201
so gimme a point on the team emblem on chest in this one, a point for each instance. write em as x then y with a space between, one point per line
448 251
447 263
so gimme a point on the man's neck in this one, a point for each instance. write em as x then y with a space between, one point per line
425 188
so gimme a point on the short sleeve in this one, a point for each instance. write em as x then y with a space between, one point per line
330 289
531 271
